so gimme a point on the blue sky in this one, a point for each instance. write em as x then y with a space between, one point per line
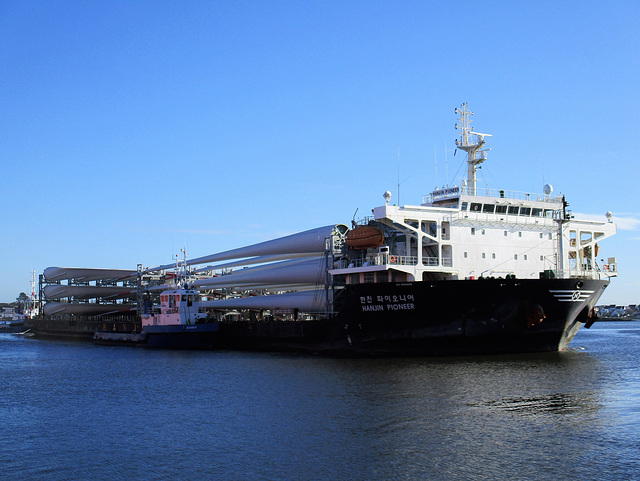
130 130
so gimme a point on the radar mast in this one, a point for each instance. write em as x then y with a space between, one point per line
475 155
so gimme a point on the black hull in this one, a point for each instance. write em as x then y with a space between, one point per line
79 327
485 316
196 336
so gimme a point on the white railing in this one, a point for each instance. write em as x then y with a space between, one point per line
584 274
391 260
512 219
486 192
379 260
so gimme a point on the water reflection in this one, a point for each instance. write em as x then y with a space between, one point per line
556 403
226 415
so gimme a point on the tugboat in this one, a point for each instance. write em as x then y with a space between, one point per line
179 323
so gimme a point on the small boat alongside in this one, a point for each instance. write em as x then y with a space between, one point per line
177 323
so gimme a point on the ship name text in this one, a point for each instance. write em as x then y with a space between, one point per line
387 303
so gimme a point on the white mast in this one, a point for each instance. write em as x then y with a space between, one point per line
475 156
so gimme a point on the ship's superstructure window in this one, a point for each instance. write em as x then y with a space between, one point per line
463 206
519 234
515 257
525 257
465 255
447 257
536 212
488 208
445 231
476 207
483 255
506 233
525 211
493 256
513 209
473 231
483 232
501 209
550 236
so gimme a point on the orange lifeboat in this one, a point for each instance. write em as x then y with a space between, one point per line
365 237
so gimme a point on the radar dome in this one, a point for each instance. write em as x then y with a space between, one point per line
548 189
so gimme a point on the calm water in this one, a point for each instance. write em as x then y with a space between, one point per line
77 411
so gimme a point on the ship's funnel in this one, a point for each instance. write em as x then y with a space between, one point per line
305 301
308 271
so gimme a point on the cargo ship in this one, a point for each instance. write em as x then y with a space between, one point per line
468 270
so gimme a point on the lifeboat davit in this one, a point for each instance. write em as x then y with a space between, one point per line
365 237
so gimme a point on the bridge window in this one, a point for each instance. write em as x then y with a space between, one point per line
525 211
513 209
476 207
463 206
536 212
488 208
501 209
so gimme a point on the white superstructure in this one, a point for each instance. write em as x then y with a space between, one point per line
464 232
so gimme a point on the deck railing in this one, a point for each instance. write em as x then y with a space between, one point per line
379 260
455 192
392 260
